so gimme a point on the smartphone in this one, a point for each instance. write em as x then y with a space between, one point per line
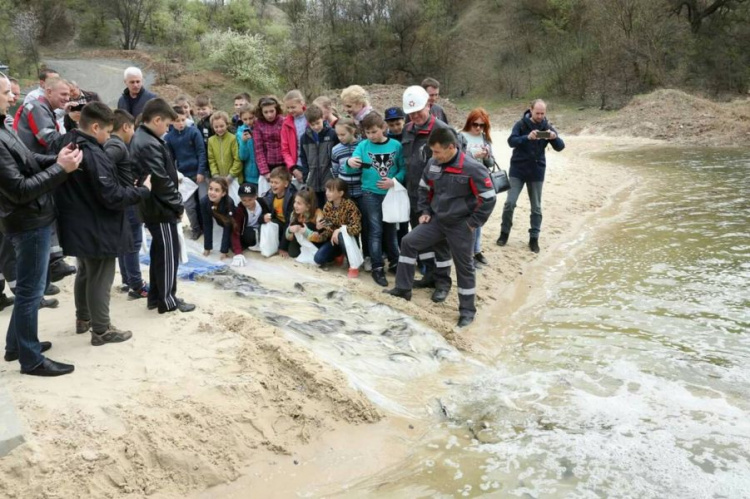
366 165
543 134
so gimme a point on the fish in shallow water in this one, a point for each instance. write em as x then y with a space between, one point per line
402 357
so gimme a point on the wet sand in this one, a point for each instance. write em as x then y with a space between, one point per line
200 400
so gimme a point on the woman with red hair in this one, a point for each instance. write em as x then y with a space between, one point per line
476 131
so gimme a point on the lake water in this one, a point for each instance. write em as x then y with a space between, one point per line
631 377
625 374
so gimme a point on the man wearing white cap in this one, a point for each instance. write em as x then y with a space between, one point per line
416 104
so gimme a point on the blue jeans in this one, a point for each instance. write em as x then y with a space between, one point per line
130 261
32 258
329 251
478 240
379 233
535 198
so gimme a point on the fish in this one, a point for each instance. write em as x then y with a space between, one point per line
402 357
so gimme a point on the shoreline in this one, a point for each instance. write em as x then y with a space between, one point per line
199 400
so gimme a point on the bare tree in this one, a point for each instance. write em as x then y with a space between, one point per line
698 10
133 15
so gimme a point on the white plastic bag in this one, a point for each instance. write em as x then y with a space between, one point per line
234 192
187 188
263 186
396 207
269 239
353 252
183 246
307 249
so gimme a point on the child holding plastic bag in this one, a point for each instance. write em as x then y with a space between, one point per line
304 222
280 200
339 211
217 206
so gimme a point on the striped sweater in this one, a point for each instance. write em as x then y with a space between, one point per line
339 155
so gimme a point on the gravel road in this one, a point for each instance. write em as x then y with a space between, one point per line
103 76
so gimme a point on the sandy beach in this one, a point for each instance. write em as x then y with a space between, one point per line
198 400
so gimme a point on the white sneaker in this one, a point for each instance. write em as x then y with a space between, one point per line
368 264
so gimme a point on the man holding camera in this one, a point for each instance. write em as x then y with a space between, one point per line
529 140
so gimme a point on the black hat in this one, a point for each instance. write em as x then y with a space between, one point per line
394 113
248 190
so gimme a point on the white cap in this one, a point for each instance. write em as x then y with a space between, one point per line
415 99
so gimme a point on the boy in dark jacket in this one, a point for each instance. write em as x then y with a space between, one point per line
117 150
91 217
189 152
163 209
280 200
316 150
247 220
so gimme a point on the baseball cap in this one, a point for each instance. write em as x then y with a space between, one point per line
415 99
394 113
248 190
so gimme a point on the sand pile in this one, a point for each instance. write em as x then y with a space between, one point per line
180 408
676 116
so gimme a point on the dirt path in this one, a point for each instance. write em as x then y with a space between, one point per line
103 76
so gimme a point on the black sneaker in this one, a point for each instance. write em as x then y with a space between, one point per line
503 239
378 275
464 321
51 303
439 295
183 306
480 259
400 293
82 326
6 301
428 281
51 290
111 335
196 234
534 244
59 270
392 267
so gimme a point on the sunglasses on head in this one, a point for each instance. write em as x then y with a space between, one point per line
479 125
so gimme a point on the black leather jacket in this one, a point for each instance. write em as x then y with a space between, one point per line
149 156
26 201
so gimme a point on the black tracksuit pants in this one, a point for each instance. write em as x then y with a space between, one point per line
165 258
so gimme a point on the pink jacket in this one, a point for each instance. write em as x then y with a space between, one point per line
289 146
267 140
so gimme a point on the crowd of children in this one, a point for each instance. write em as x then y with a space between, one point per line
278 158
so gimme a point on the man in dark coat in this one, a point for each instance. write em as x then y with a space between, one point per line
27 212
529 138
135 96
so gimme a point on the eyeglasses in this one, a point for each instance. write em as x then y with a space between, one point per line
479 125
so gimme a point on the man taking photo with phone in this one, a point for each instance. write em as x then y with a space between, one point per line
529 139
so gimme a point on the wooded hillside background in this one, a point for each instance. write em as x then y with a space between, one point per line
595 51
